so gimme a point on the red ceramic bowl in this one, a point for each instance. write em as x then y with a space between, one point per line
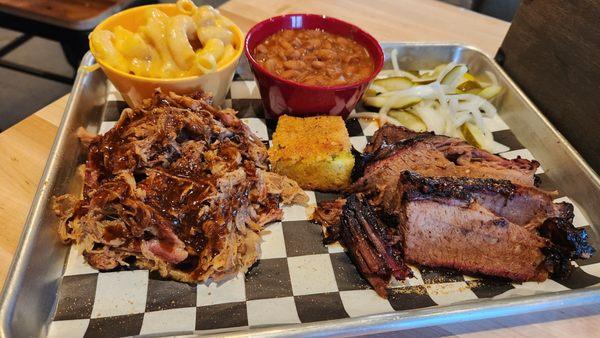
281 96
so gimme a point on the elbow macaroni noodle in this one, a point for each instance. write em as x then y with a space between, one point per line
197 41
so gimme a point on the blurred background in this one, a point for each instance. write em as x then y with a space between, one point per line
41 42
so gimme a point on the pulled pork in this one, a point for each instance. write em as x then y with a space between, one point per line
175 186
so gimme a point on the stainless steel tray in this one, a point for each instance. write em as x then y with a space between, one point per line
30 293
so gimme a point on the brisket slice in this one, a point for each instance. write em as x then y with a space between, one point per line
390 138
380 180
373 247
389 135
453 206
467 237
456 223
523 205
397 149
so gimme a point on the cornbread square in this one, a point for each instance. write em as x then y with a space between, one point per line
313 151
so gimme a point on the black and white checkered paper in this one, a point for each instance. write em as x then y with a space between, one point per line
297 279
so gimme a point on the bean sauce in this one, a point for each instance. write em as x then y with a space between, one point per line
314 57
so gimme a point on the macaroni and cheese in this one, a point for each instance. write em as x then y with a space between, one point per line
196 41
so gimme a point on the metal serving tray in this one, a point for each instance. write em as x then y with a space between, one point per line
30 293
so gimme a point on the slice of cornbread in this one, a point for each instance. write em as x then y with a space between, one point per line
313 151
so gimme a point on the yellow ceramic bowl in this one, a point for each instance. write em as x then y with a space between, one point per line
135 88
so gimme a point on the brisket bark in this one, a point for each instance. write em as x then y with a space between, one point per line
487 226
452 205
373 247
397 149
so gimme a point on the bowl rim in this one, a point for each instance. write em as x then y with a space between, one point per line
376 69
238 51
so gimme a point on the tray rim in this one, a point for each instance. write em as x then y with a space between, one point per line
386 322
25 247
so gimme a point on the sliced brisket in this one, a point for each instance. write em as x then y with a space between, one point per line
522 205
394 150
390 138
397 149
373 247
451 205
487 226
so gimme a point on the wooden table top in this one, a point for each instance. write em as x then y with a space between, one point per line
24 147
74 14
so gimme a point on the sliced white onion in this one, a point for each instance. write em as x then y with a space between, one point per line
424 92
461 118
445 71
492 77
394 57
428 72
441 109
374 116
430 117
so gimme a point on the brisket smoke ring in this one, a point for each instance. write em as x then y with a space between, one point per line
175 186
448 204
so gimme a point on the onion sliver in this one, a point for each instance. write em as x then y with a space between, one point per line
436 100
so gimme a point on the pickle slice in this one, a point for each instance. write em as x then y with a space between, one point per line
408 120
430 77
473 134
398 103
453 75
370 92
489 92
394 83
468 77
468 85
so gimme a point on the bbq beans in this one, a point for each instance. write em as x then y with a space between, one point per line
314 57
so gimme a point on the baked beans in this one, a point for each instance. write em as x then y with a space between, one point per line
314 57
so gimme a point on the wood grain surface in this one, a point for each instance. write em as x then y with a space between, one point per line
25 147
386 20
61 12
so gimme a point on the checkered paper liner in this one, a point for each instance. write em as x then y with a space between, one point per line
297 280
